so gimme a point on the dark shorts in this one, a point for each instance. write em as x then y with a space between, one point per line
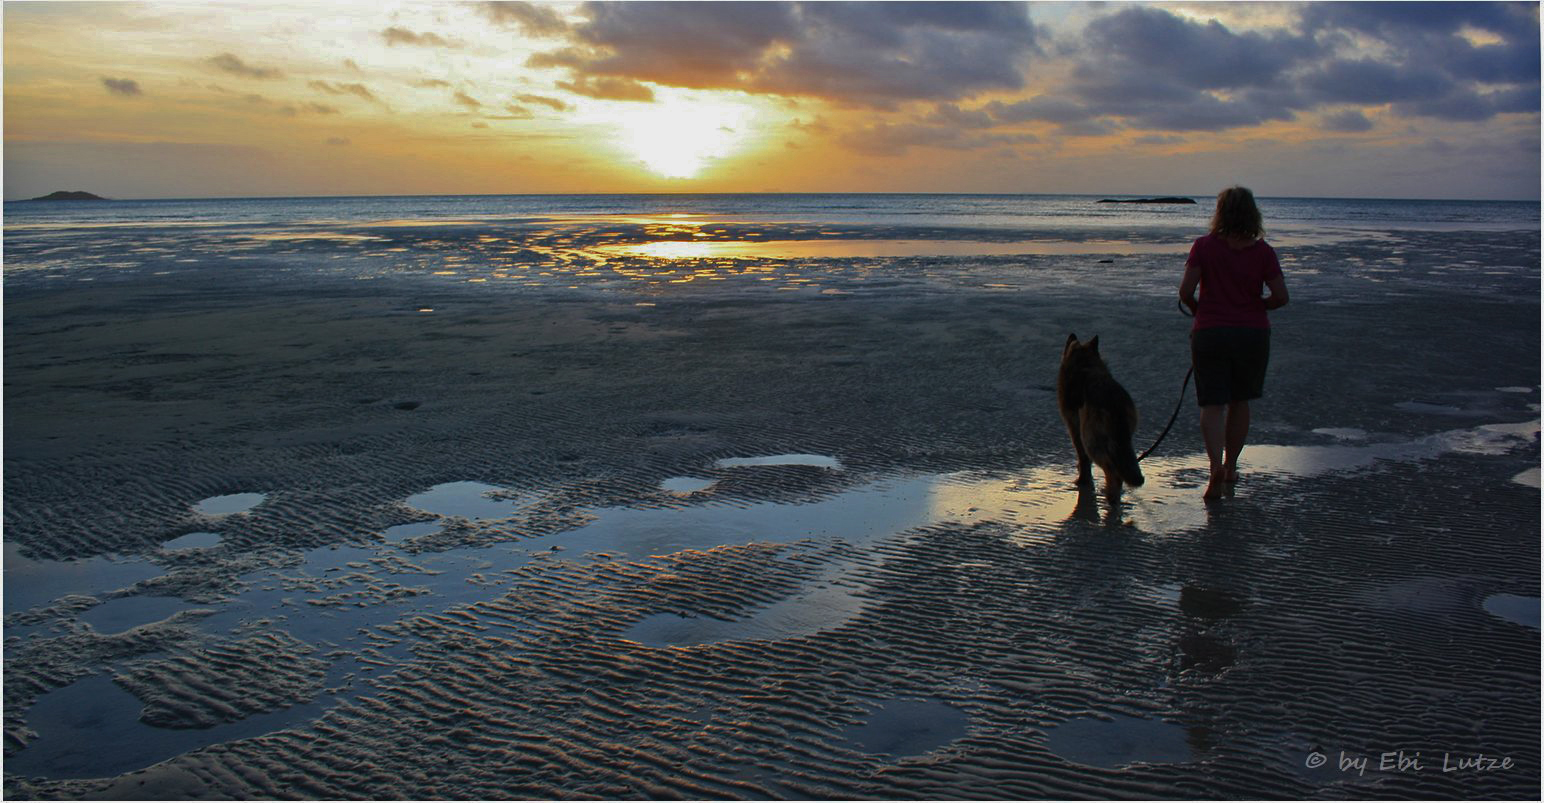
1229 363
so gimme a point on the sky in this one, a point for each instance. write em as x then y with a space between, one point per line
210 99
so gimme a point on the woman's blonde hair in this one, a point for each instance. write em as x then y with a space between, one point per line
1237 215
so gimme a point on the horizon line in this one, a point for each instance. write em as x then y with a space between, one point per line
766 193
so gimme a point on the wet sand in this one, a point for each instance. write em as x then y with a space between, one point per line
341 536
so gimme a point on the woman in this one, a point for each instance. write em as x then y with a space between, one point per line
1230 341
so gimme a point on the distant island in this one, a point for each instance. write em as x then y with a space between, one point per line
1165 200
62 195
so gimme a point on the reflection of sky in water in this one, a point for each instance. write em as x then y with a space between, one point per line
1514 608
1119 741
816 460
193 541
466 499
845 249
686 485
91 729
902 728
118 615
30 583
229 503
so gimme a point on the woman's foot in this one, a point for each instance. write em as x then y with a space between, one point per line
1232 476
1215 486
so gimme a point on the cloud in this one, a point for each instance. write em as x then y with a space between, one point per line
357 90
1350 121
517 112
608 89
1040 109
891 139
1471 106
339 141
950 114
1428 62
403 36
1368 81
467 100
533 20
1190 54
552 103
431 83
1151 69
351 65
869 54
1145 67
127 87
228 62
291 109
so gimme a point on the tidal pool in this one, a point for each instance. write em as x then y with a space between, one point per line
227 504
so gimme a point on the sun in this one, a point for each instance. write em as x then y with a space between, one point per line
679 136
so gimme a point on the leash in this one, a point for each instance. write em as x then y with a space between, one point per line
1178 404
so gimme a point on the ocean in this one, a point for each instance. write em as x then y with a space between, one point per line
608 243
1044 213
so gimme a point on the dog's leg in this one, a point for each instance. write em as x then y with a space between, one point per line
1075 430
1112 484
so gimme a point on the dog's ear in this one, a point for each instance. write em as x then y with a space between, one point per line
1072 337
1072 343
1094 344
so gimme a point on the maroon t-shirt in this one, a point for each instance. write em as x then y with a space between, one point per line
1232 282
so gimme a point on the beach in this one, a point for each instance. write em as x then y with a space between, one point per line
686 503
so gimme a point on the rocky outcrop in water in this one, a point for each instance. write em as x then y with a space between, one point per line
66 195
1168 199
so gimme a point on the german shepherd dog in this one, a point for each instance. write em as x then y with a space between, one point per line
1100 416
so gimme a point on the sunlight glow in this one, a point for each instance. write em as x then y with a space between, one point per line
679 136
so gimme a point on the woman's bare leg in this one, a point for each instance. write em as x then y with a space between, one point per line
1236 432
1213 428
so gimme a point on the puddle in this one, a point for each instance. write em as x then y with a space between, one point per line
821 604
30 583
1119 741
470 500
1515 389
193 541
1514 608
1434 409
901 728
686 485
402 532
1528 477
1343 433
340 590
856 516
1309 461
118 615
816 460
229 503
91 729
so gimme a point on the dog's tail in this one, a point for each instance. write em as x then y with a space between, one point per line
1107 432
1126 460
1124 456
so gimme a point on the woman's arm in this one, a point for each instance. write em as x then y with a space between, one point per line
1278 297
1187 287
